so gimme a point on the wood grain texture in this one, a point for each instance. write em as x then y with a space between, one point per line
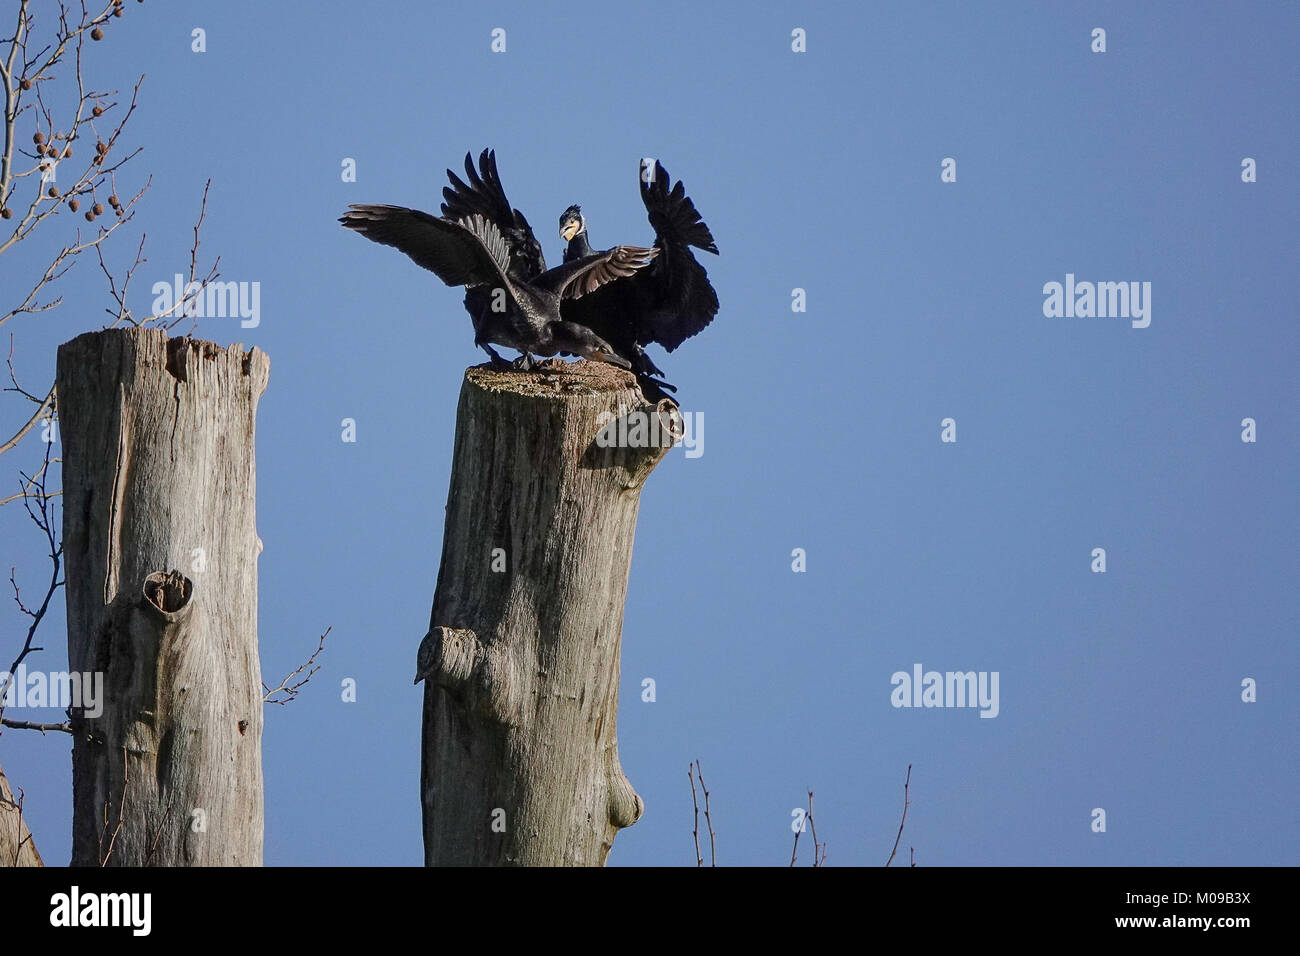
521 663
16 845
161 551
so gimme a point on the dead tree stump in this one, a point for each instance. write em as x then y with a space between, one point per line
521 663
158 476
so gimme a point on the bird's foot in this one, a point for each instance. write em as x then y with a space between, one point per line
644 365
497 361
523 364
656 390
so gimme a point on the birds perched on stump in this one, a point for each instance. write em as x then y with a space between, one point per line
603 305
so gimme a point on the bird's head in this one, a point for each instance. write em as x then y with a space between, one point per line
572 224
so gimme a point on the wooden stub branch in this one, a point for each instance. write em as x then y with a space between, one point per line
161 546
521 662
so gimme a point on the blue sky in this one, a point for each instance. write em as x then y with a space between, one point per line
818 171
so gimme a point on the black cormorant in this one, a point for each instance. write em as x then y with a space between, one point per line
666 303
512 298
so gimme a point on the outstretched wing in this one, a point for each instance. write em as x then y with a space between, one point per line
673 215
483 195
677 299
471 252
578 277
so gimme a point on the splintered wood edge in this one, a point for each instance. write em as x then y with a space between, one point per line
553 378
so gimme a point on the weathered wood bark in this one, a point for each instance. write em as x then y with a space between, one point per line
16 845
158 476
521 662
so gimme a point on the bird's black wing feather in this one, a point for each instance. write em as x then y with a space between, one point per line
672 213
468 253
483 195
676 298
578 277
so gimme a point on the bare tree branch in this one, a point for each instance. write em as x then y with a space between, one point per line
41 412
194 286
291 690
819 849
690 774
694 772
39 510
65 727
906 803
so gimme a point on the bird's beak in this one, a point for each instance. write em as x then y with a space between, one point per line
611 358
569 229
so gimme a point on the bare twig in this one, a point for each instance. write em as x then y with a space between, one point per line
291 690
192 291
693 771
794 851
690 773
906 803
43 410
819 849
708 820
32 481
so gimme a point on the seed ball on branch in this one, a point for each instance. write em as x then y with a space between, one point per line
112 200
38 138
25 83
97 111
67 153
54 192
90 216
5 213
98 208
97 34
73 204
117 11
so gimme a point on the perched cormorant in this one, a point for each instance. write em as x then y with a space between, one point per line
512 298
666 303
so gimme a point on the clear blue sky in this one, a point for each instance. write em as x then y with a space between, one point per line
819 171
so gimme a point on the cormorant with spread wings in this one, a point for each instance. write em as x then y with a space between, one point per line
666 303
485 245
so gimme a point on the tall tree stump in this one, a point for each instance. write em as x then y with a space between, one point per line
158 476
521 662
